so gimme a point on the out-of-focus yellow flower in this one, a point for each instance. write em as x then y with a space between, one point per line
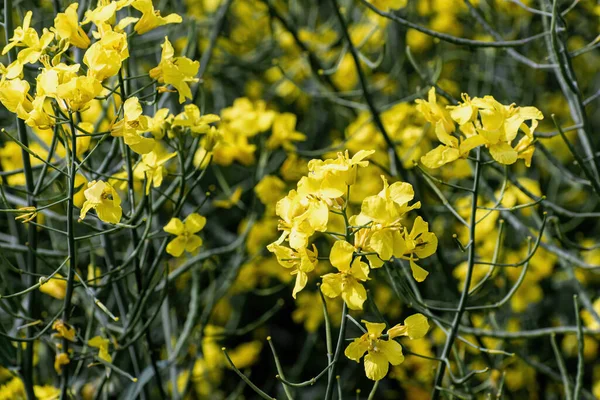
151 18
234 199
380 353
347 281
284 132
55 286
64 330
102 345
270 189
67 27
178 72
247 118
80 186
385 5
103 198
59 360
186 239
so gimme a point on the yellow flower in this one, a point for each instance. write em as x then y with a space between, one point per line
160 123
284 132
78 92
191 119
103 198
329 179
55 287
64 330
186 239
14 95
151 18
380 352
347 281
420 243
132 126
104 57
80 186
102 345
152 168
59 360
415 327
382 217
51 77
301 261
27 37
176 71
233 199
300 217
67 26
270 189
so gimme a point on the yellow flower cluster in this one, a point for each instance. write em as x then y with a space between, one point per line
481 122
375 235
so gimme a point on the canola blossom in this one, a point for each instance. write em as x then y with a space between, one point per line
261 199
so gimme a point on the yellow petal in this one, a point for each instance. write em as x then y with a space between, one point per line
503 153
341 255
174 227
356 349
332 285
392 351
418 273
376 366
417 326
195 223
354 294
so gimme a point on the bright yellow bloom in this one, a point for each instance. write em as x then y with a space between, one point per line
132 126
347 281
186 239
329 179
49 79
178 72
415 327
151 18
300 217
380 352
418 244
14 95
103 198
27 37
104 58
284 132
64 330
78 92
59 360
191 119
301 261
102 345
67 27
55 287
152 168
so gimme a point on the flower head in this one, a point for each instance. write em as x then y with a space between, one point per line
176 71
186 239
103 198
